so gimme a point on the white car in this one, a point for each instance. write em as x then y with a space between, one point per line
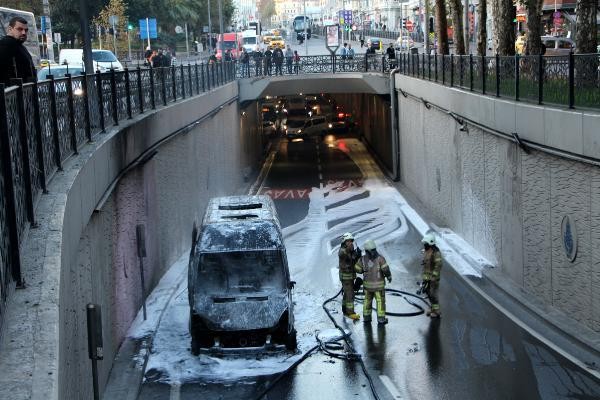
104 60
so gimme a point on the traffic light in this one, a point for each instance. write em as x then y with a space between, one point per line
403 23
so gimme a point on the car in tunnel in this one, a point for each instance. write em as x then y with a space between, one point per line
239 288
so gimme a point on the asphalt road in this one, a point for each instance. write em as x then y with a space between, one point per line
472 352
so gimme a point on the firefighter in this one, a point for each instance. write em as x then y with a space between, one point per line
374 268
348 257
432 267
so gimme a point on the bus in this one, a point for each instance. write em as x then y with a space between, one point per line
32 43
299 24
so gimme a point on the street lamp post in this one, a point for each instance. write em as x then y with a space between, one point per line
209 30
305 18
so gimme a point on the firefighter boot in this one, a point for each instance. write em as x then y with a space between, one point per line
367 319
353 316
382 320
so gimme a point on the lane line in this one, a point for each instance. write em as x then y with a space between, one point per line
175 393
389 385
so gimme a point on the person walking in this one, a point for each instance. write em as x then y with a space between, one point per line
15 60
296 62
432 267
344 52
257 56
245 61
347 257
289 58
374 268
362 40
278 60
268 62
391 53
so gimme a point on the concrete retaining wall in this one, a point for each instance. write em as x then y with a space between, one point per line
509 205
90 253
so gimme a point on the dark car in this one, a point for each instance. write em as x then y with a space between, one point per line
375 44
239 287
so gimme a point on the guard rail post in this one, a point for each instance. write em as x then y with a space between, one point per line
25 162
113 95
86 106
127 93
9 204
497 75
182 81
517 85
100 101
152 89
54 122
38 136
138 75
71 106
483 74
540 79
173 82
571 80
451 70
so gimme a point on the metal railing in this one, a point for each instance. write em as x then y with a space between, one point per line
572 80
261 67
42 124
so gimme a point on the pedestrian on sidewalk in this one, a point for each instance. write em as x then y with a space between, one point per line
15 60
289 58
432 267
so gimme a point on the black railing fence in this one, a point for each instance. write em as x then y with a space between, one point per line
314 65
572 80
43 124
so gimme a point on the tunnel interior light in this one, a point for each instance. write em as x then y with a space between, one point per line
243 113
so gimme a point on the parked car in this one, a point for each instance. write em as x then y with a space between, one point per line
239 288
558 46
292 128
104 60
58 71
276 41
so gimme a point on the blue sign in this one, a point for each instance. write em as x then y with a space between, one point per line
43 23
148 25
347 17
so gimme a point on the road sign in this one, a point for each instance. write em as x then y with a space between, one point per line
205 29
57 37
43 23
146 25
178 29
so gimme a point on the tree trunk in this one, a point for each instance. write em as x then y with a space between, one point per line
441 27
505 13
482 28
586 36
533 43
457 23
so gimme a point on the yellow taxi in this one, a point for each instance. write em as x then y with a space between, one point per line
276 41
267 36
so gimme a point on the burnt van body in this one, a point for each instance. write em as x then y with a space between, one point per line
239 287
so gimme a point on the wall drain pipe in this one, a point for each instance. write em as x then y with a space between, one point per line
395 127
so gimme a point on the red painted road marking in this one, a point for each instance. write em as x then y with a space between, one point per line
286 194
340 186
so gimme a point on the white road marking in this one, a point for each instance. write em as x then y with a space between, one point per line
389 385
175 392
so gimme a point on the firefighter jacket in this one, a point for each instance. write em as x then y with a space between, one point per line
346 265
374 271
432 264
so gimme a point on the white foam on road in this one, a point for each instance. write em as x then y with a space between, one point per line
374 211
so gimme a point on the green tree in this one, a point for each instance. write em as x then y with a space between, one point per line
266 9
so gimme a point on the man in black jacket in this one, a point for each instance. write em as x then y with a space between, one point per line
15 60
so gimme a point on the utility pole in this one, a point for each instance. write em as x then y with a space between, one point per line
305 30
426 26
50 47
209 29
187 43
220 20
